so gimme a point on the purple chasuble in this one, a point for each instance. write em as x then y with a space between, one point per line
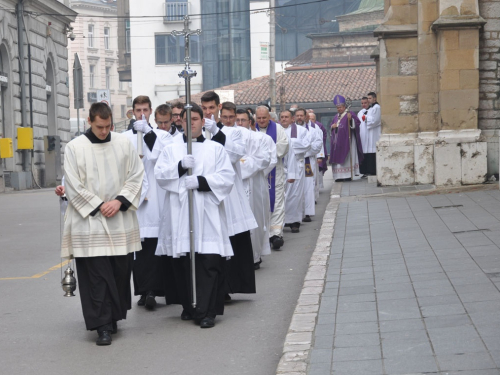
307 162
271 177
339 141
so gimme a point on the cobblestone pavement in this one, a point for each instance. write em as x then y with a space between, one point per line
412 287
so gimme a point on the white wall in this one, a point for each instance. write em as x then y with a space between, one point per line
159 82
259 33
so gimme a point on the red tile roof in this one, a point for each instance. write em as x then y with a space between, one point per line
312 86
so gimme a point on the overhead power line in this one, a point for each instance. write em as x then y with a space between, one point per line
190 15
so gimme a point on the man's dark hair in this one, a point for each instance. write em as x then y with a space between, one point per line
228 106
250 109
243 111
100 109
195 108
164 110
365 97
178 105
210 96
141 99
286 110
300 109
372 94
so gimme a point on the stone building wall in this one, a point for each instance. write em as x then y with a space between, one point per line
489 84
343 45
428 66
48 40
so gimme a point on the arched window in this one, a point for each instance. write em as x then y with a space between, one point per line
51 98
6 114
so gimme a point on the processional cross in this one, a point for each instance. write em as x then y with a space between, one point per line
187 73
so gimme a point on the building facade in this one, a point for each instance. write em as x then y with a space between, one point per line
429 84
96 42
46 24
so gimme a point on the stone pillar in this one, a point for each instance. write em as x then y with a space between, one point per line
429 91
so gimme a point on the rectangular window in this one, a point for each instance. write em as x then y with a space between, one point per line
170 49
90 36
127 36
106 37
175 10
108 77
123 111
91 75
120 85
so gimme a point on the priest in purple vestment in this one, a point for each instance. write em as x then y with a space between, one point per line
340 156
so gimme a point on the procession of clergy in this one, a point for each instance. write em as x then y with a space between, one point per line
250 177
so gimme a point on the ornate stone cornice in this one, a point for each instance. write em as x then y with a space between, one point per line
396 31
458 22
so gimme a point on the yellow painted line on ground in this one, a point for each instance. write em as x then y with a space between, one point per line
38 275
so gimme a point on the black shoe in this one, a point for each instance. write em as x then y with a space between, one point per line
104 338
295 230
307 219
207 322
227 298
142 300
186 315
277 242
115 328
150 301
256 266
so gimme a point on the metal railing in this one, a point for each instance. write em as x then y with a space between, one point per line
175 12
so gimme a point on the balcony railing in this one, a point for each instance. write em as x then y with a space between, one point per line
175 12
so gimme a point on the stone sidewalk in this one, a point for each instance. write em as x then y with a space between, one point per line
412 286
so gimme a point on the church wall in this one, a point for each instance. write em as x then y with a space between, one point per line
489 80
359 44
429 94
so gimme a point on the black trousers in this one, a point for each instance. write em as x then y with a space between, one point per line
104 285
240 271
210 289
147 269
369 164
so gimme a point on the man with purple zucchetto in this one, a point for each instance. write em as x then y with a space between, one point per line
340 147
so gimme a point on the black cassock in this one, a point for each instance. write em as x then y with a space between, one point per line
147 269
209 283
104 286
240 271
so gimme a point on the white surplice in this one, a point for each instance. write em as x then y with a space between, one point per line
294 162
373 129
260 154
278 216
318 180
316 138
95 173
363 134
238 212
151 205
210 223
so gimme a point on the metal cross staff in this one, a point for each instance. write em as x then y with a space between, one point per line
187 74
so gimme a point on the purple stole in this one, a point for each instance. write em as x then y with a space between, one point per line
307 161
271 177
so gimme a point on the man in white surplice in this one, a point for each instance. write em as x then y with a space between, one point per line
102 181
311 164
147 269
276 176
300 143
211 182
260 155
240 268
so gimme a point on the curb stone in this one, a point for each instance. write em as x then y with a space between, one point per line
298 341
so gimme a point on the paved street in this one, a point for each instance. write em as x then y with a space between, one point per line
43 333
412 285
